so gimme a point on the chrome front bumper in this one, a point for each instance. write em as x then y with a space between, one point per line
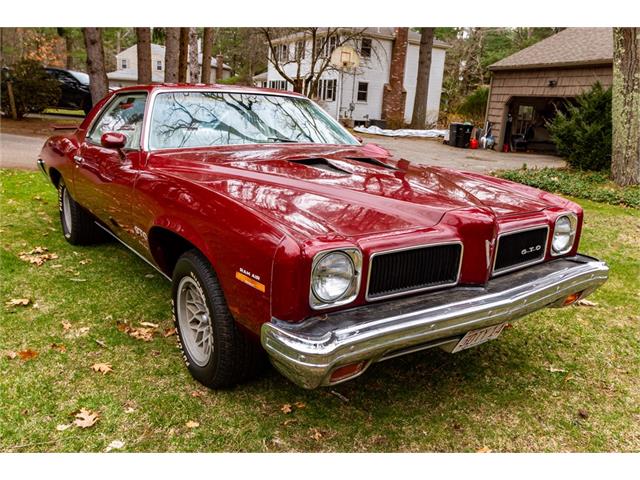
308 352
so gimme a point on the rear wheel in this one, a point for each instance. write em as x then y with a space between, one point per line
78 225
214 349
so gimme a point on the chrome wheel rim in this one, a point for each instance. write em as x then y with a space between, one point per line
194 321
66 210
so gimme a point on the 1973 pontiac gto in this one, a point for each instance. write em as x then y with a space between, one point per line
282 234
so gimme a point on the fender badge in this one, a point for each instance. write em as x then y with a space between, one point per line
250 281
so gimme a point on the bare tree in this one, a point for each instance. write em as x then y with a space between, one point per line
95 63
183 58
194 68
322 41
171 54
625 161
207 52
419 116
144 55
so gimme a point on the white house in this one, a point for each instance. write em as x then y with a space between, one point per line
358 94
127 67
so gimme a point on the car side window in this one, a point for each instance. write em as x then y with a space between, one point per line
123 114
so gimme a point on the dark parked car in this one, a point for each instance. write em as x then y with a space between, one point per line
74 89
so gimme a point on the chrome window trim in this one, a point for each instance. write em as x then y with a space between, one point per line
495 273
146 132
355 254
415 290
573 218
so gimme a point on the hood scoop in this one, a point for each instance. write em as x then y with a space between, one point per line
372 161
321 164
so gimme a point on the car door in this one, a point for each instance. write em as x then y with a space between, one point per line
105 177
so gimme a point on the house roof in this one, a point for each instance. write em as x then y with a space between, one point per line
570 47
385 33
159 50
261 77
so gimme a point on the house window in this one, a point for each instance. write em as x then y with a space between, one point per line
278 84
363 91
300 48
123 63
327 90
326 48
282 53
365 48
158 65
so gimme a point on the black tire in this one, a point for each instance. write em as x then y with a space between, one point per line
80 228
235 357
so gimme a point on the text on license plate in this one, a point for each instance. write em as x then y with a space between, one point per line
476 337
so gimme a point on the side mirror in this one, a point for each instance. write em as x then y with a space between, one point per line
114 140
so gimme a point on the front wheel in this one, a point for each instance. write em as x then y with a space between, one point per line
214 349
78 226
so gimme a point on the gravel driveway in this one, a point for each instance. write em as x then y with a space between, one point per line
434 152
19 151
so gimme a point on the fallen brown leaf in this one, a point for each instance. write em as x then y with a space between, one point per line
196 394
316 434
85 261
149 324
18 302
484 450
86 418
58 347
141 333
37 256
115 445
299 405
583 413
169 332
286 408
11 355
27 354
65 325
586 303
556 370
62 428
192 424
102 368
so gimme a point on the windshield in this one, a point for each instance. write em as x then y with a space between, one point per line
81 77
200 119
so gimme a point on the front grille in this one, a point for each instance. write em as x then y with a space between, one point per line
415 269
520 248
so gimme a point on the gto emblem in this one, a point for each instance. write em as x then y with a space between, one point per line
535 248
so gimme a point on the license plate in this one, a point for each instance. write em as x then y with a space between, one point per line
476 337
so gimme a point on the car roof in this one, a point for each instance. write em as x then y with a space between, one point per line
158 87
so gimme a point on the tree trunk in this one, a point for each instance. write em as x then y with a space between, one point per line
95 63
183 58
171 54
144 55
393 97
625 162
419 116
207 52
194 69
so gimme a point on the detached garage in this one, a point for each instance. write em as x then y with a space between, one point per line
528 86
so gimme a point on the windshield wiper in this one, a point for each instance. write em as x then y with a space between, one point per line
282 139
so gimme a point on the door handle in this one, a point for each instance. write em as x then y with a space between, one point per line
78 159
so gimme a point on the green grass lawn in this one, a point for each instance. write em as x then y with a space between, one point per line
560 380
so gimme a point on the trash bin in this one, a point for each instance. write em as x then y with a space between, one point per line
460 134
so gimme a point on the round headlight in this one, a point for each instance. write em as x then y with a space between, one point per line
563 235
332 276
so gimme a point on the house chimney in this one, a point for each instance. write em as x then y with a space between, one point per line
394 96
219 67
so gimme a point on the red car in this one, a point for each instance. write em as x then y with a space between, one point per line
283 234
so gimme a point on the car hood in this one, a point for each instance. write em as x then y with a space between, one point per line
346 190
